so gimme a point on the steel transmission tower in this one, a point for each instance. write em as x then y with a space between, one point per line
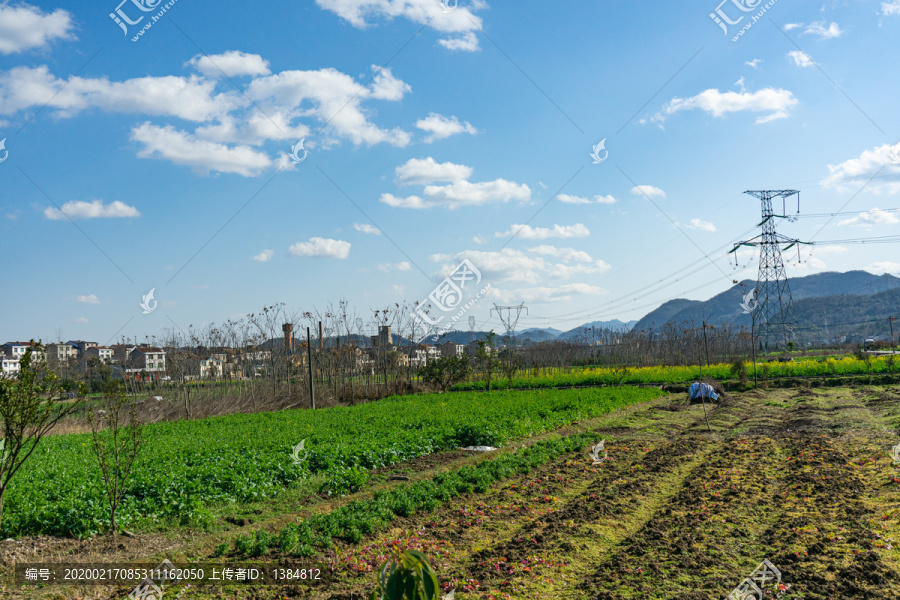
510 322
773 314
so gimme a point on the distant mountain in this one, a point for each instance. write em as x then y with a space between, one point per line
585 330
726 307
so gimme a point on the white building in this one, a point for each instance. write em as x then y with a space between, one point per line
9 367
103 353
16 350
60 352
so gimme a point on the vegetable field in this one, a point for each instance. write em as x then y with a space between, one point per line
192 467
678 374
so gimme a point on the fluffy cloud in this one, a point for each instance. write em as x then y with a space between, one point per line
78 209
801 59
569 199
776 102
790 26
89 299
233 63
468 42
321 248
853 173
702 225
23 27
872 217
400 266
461 20
283 105
366 228
648 191
516 266
880 268
422 171
526 232
534 295
565 254
443 127
819 29
457 193
264 256
754 64
182 148
890 8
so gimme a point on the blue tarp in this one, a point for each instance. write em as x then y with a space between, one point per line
702 390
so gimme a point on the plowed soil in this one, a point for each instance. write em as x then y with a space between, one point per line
804 479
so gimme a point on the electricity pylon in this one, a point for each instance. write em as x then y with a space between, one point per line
510 322
773 314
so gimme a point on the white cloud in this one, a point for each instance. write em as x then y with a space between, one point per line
264 256
422 171
544 294
443 127
400 266
856 172
569 199
283 106
872 217
89 299
819 29
648 191
366 228
790 26
462 193
564 254
81 320
891 8
702 225
776 102
233 63
182 148
468 42
321 247
79 209
754 63
515 266
23 27
461 20
880 268
801 59
526 232
480 239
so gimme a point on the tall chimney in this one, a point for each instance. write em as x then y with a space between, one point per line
287 328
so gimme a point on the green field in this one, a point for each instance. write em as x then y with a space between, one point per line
667 374
191 469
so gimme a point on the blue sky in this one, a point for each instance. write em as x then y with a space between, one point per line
431 133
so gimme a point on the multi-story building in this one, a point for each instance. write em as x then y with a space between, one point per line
9 367
452 349
82 346
103 353
61 352
149 359
16 350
